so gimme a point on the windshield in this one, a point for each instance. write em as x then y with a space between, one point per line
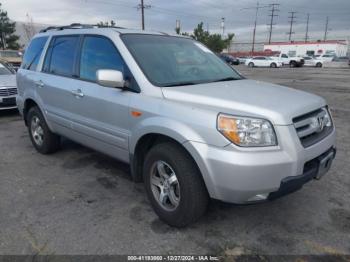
4 70
175 61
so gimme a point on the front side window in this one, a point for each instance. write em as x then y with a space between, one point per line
61 56
33 53
98 53
176 61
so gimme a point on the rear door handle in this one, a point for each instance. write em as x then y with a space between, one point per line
77 93
39 83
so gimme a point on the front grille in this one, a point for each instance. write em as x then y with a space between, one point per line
8 91
310 128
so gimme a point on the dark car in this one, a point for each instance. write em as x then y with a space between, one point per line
229 59
340 59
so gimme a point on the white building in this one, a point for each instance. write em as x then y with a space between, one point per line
301 48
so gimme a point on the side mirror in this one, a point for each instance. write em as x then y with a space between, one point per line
110 78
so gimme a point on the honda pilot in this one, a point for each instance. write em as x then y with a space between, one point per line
190 126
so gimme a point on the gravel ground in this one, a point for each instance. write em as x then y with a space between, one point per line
78 201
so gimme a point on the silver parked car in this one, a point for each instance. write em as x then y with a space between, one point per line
190 126
8 88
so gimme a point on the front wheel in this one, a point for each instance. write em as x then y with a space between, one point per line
174 185
273 65
42 138
319 64
292 64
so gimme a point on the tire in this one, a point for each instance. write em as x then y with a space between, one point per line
189 192
251 64
292 64
273 65
319 64
44 141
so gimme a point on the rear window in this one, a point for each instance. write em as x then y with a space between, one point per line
60 59
33 53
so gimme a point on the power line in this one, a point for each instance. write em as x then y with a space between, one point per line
273 15
307 28
292 20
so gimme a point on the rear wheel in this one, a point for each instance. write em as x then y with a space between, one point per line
319 64
251 64
273 65
42 138
174 185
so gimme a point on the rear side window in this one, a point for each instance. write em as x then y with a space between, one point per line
98 53
60 59
33 53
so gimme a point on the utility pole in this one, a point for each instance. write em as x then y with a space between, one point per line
273 15
307 28
291 17
142 6
254 31
326 29
178 27
223 27
255 22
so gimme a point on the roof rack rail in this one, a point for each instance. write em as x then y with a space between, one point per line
76 26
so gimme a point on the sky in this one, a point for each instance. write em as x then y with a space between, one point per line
162 15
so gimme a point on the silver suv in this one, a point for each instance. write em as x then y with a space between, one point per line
190 126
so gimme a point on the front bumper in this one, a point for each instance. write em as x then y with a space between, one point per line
311 171
8 102
244 175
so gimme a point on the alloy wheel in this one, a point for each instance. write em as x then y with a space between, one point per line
165 185
37 131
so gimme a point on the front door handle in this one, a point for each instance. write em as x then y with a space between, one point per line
77 93
39 83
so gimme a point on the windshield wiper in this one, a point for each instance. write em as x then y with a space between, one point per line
181 84
230 78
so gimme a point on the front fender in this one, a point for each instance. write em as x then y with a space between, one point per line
163 126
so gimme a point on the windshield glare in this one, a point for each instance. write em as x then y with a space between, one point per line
170 61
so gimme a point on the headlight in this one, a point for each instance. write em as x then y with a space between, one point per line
327 118
246 131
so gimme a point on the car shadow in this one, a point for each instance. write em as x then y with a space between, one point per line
9 112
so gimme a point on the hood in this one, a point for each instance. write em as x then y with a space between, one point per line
8 80
276 103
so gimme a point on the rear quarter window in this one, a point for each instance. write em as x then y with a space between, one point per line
33 53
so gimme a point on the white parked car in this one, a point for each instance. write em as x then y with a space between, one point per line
263 62
8 87
325 57
312 61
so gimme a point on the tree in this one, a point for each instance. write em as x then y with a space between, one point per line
29 28
107 23
8 40
212 41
